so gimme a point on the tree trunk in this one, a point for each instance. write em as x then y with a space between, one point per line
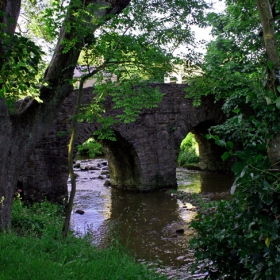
70 202
20 132
267 21
273 73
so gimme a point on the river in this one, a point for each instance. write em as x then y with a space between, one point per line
154 226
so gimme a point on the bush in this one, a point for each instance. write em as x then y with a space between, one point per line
240 238
37 218
90 148
188 151
236 243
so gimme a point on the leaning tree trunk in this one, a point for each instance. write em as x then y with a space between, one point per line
267 21
70 202
20 132
273 70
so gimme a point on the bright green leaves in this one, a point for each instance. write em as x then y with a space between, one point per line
232 65
44 18
105 132
20 69
131 97
90 147
277 103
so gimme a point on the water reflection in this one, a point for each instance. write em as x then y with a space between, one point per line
147 223
196 181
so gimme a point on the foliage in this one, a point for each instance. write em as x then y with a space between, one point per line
23 256
36 219
20 73
234 62
137 47
188 151
44 18
91 148
240 238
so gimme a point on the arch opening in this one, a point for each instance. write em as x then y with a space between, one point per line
189 152
124 164
210 154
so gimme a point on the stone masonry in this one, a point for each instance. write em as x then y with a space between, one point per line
144 157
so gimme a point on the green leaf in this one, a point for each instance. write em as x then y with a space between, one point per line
225 156
266 198
229 144
266 193
278 103
238 167
268 100
236 111
267 241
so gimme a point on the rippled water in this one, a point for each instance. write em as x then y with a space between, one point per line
144 222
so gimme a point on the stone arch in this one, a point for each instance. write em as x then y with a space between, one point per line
210 154
123 161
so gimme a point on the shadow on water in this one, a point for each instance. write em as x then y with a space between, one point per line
203 182
147 224
153 225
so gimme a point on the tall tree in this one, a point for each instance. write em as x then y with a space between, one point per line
21 130
23 123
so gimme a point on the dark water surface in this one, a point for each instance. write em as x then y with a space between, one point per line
145 222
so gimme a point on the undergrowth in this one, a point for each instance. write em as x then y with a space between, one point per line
35 249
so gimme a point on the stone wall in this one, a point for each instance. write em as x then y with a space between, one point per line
143 158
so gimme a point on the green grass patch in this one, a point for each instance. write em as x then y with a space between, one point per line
35 250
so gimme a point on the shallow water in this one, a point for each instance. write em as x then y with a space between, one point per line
145 222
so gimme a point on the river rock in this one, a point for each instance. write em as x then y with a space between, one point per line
94 168
79 211
102 164
107 183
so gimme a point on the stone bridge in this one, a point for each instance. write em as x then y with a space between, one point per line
143 158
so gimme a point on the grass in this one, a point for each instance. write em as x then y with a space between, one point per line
35 250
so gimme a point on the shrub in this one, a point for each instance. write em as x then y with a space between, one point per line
90 148
188 151
37 218
240 238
